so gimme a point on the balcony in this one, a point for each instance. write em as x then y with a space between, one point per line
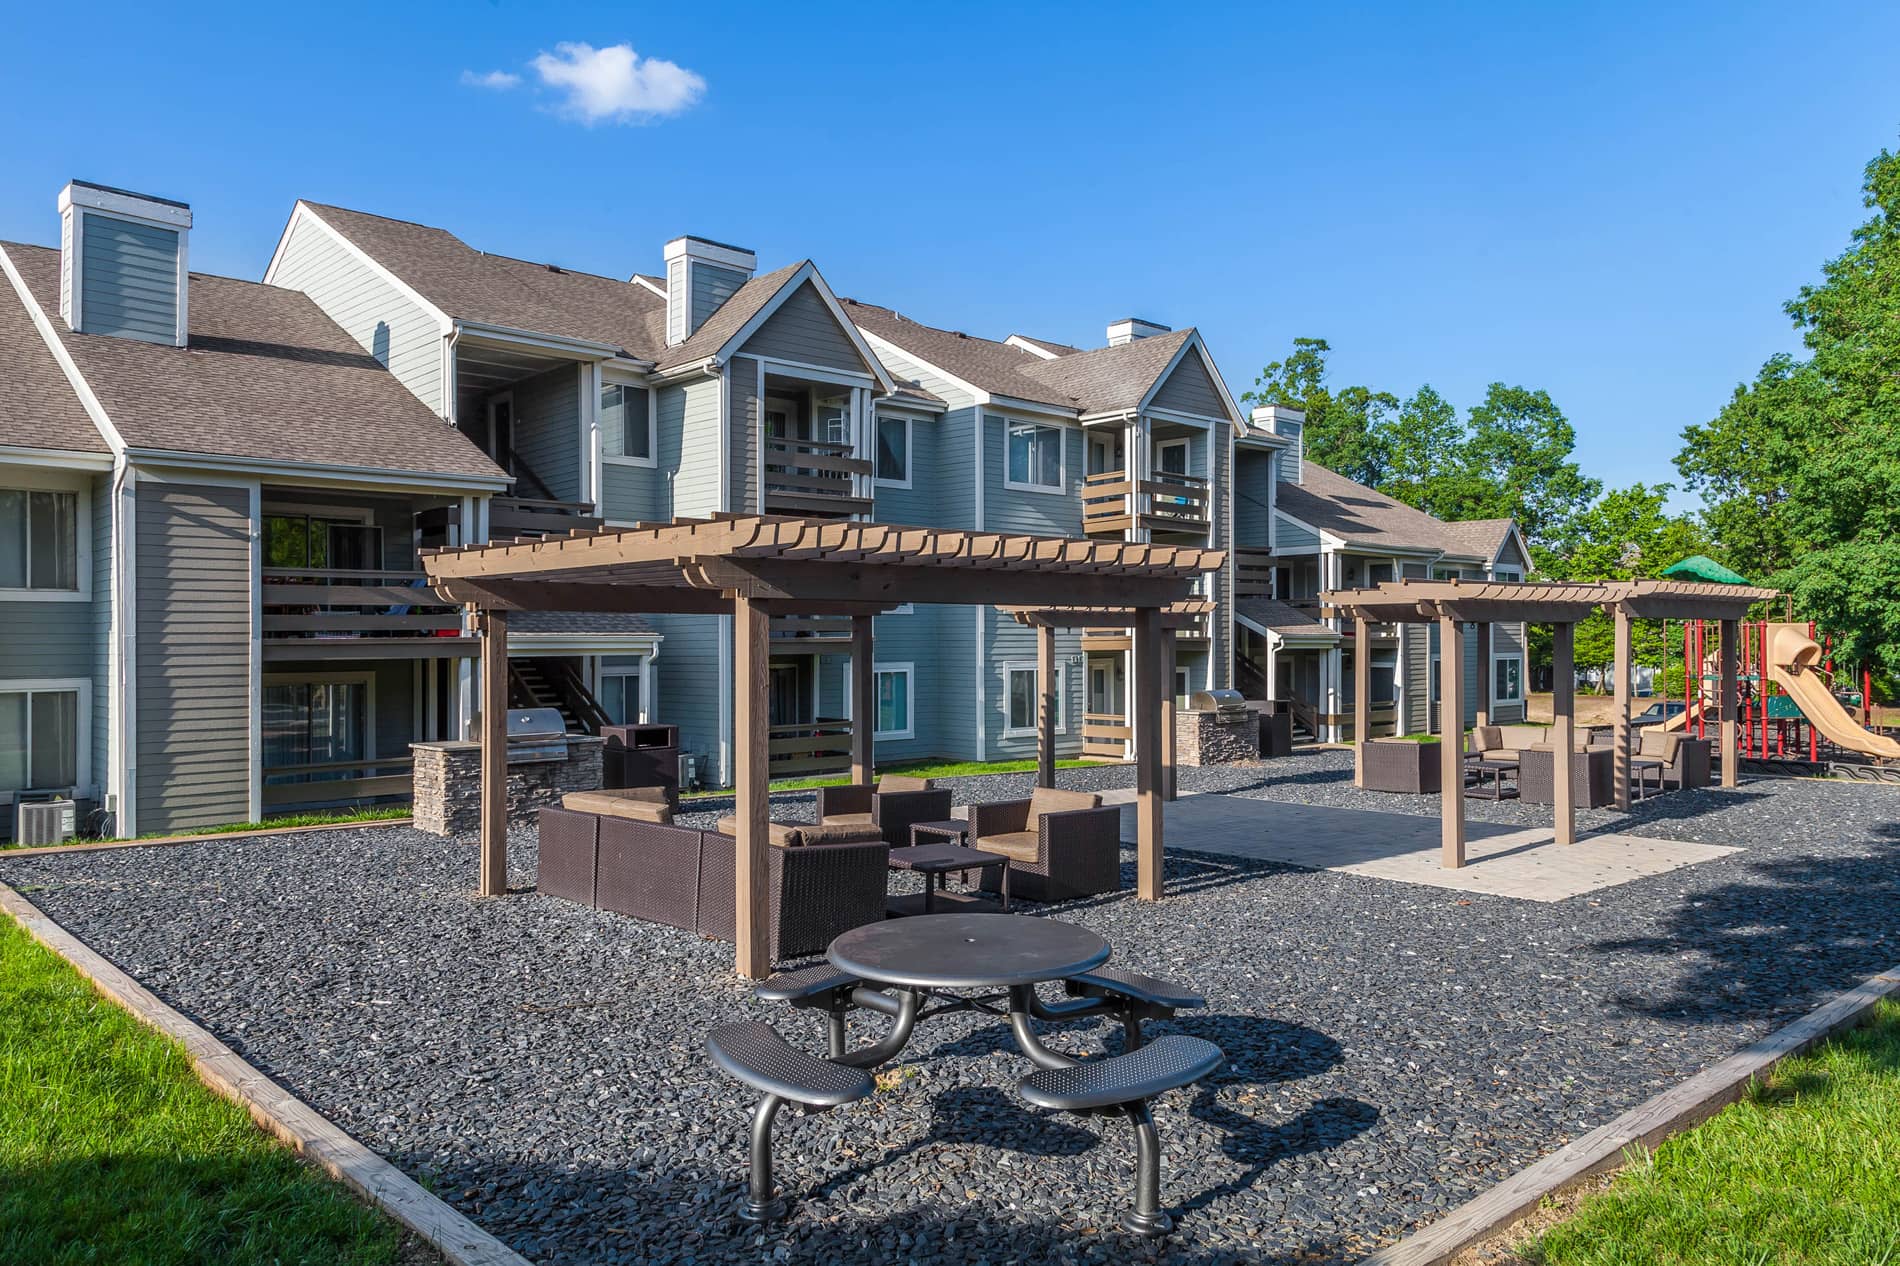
327 613
806 748
1105 736
520 516
806 630
1253 573
814 478
1113 503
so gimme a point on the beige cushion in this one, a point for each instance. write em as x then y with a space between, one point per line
1662 745
800 834
849 819
1019 846
1521 736
616 803
1487 739
1049 800
902 782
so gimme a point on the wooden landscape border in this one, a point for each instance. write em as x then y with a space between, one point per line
165 841
312 1135
1646 1125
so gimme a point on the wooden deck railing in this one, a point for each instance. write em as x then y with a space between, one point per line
810 747
1253 573
813 477
519 516
1112 503
1105 735
309 610
337 782
811 628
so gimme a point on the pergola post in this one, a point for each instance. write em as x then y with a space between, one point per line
751 914
494 844
1483 684
1361 698
1144 713
1620 720
1451 742
1169 732
1731 758
863 700
1046 705
1563 729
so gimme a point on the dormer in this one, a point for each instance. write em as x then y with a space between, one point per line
701 275
123 263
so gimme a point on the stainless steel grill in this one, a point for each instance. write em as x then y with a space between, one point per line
536 735
1228 705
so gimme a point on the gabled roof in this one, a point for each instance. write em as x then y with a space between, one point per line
1271 616
1360 516
42 409
265 377
1042 344
1113 377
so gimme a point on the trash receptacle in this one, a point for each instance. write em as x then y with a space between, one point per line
641 756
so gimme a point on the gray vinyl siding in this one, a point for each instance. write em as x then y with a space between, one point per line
1190 389
1291 538
1010 643
710 287
690 412
633 494
128 279
904 367
104 546
745 424
676 308
1511 556
913 639
1252 496
548 434
45 639
924 502
686 679
194 656
953 691
802 329
386 323
1042 513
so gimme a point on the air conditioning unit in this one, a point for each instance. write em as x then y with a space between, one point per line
43 821
689 771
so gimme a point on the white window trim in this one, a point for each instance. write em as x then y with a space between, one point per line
1185 445
908 671
910 452
18 479
1503 659
368 682
629 384
83 786
1509 572
642 672
1062 696
1061 486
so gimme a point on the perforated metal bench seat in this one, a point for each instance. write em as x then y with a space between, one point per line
1134 986
754 1053
1165 1064
810 985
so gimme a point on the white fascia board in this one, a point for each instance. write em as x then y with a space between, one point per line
1389 551
910 404
585 643
1112 417
1036 406
560 345
690 247
126 205
87 400
1175 416
706 367
978 395
54 458
1523 546
302 211
1263 439
809 272
315 474
1022 344
646 284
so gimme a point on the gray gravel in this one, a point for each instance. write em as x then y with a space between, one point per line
1392 1049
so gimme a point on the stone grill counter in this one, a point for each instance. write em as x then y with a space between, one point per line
448 783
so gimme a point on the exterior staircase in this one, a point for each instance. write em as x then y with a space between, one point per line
554 683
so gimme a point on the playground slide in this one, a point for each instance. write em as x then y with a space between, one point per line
1684 718
1792 657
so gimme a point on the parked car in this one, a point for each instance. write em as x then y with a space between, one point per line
1657 713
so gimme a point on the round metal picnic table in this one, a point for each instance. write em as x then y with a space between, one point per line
925 953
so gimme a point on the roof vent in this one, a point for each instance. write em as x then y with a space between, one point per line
1128 329
1277 419
700 275
123 263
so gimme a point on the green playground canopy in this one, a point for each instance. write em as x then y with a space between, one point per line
1705 569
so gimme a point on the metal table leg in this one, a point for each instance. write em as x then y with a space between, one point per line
1021 1003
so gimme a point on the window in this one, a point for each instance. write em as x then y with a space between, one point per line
893 451
39 739
1171 457
1378 573
39 540
308 541
626 426
620 688
1508 679
318 721
834 420
893 702
1019 690
1508 573
1034 457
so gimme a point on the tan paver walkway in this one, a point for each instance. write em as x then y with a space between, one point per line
1503 861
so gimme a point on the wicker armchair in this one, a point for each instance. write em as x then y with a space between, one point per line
1685 758
1060 844
1400 765
893 804
1592 776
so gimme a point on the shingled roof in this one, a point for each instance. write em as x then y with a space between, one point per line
1329 502
42 409
265 376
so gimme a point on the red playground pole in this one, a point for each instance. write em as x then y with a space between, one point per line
1814 746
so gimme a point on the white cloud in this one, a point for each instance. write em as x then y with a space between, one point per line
616 83
499 80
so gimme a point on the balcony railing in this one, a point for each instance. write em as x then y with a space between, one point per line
1106 735
336 782
809 747
329 613
1112 503
519 516
1253 573
813 477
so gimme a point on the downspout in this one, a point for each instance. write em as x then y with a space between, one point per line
982 659
124 648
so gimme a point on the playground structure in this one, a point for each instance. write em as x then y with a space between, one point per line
1792 716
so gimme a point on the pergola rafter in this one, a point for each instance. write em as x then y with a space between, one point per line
756 566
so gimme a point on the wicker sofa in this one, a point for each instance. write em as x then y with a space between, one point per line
684 878
1592 776
1401 765
1060 844
893 805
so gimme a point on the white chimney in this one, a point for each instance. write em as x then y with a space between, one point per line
1128 329
1277 419
701 275
123 263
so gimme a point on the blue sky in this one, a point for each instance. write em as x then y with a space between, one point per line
1609 201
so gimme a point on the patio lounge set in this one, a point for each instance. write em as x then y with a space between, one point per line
1660 760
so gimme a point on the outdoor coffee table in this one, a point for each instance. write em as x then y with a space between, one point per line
935 862
1639 777
1497 769
944 830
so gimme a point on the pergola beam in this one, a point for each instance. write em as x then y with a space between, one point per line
863 699
1563 729
1144 711
752 927
1451 742
493 878
1046 705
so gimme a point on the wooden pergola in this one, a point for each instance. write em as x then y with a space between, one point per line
1451 604
754 567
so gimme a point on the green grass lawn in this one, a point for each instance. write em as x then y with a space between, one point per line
1805 1169
112 1151
921 769
327 817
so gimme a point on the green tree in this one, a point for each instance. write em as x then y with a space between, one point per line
1344 429
1801 469
1425 455
1518 464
